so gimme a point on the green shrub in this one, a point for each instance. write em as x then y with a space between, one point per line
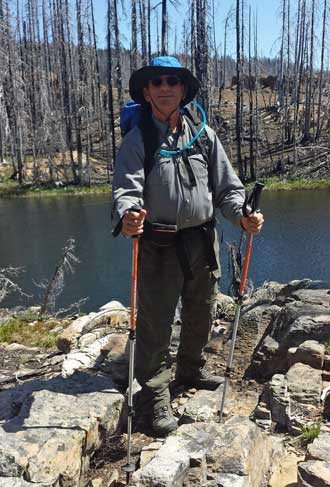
310 431
30 334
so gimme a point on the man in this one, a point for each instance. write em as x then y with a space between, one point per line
178 246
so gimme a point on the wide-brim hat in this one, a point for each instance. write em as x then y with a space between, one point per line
157 67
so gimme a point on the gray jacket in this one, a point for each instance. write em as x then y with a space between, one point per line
167 193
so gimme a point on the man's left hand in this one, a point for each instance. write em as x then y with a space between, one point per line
252 223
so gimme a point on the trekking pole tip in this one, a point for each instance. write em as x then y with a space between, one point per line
129 468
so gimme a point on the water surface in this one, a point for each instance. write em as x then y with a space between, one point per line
294 244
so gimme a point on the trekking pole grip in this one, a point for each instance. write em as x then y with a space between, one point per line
256 196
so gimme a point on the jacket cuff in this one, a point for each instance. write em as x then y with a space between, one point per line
116 231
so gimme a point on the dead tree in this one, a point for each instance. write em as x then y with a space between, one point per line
309 93
133 51
201 55
54 287
143 31
164 28
238 95
118 56
111 117
320 84
251 124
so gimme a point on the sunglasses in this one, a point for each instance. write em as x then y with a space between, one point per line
170 80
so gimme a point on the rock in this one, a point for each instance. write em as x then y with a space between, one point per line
225 305
266 294
50 428
304 384
113 480
96 483
116 357
294 398
229 450
294 324
204 406
111 314
19 482
320 448
313 296
295 286
326 363
309 352
148 452
230 480
314 473
262 412
326 408
14 347
85 358
278 400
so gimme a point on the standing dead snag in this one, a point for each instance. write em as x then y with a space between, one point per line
54 287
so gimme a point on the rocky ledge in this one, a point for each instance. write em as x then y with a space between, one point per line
56 418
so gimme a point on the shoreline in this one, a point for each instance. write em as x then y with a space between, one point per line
12 190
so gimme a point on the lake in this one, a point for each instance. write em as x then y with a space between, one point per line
294 244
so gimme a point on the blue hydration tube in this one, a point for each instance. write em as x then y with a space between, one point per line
173 153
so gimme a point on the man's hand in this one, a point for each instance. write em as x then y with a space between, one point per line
253 223
133 223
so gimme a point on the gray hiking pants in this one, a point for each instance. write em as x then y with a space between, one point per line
160 284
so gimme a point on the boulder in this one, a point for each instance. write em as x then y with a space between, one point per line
294 398
51 428
228 449
84 358
294 324
320 448
19 482
309 352
111 315
116 357
314 473
204 406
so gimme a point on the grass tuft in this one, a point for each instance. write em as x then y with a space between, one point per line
310 432
327 347
29 333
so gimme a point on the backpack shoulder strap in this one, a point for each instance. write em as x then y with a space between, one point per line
150 138
203 142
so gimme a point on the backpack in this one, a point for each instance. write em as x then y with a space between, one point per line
133 114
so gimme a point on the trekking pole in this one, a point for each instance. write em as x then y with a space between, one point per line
129 468
251 205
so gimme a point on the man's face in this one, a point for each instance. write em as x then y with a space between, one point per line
164 92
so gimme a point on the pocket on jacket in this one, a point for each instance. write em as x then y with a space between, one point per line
160 174
199 166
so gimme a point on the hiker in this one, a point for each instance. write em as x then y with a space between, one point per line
179 250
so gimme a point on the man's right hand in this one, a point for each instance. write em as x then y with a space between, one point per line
133 223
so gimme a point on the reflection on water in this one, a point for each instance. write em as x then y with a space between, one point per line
294 243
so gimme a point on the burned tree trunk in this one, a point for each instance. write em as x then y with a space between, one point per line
201 55
238 95
111 117
164 28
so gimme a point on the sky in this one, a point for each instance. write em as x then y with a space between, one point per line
269 23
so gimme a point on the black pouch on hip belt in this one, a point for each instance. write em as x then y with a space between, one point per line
159 233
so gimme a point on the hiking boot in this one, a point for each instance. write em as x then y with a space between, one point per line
163 421
201 380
